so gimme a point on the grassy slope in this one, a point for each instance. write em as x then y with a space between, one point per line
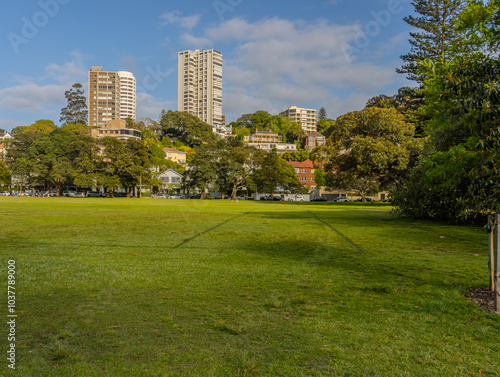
213 288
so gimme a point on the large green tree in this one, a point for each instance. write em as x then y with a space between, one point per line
202 171
368 149
123 164
275 173
461 159
186 128
236 165
76 110
51 158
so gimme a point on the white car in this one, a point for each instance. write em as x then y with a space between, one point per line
4 193
343 199
296 199
176 196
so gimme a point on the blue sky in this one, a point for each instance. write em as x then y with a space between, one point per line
328 53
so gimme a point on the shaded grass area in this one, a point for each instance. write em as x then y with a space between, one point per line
113 287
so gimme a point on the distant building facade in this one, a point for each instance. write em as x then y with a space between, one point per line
200 85
267 141
306 117
117 129
112 95
172 180
175 155
313 140
4 135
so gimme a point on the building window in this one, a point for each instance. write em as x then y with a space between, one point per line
303 179
304 171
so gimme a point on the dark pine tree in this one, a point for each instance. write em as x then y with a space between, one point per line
437 35
76 111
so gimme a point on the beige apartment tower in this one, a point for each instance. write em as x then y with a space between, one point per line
112 95
200 85
306 117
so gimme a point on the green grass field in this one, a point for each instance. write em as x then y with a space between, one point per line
143 287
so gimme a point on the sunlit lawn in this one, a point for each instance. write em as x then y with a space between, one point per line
145 287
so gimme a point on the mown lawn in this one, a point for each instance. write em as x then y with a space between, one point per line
144 287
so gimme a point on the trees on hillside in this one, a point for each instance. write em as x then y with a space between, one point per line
186 128
76 110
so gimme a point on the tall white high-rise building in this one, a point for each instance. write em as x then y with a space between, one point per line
200 85
112 95
127 93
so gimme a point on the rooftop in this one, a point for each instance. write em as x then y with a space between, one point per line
304 164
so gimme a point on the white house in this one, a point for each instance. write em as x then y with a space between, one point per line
171 179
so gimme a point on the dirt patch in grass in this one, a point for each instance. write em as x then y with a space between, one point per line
482 297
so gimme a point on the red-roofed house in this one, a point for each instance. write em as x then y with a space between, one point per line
305 173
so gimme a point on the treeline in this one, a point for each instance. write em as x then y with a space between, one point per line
44 154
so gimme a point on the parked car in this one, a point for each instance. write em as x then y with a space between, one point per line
275 198
4 193
95 194
370 200
296 199
176 196
78 195
319 199
160 196
342 199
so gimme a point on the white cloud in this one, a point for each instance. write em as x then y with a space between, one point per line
174 18
149 107
43 94
198 42
9 124
279 63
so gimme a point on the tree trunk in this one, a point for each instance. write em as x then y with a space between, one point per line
491 249
203 195
497 265
59 188
235 190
